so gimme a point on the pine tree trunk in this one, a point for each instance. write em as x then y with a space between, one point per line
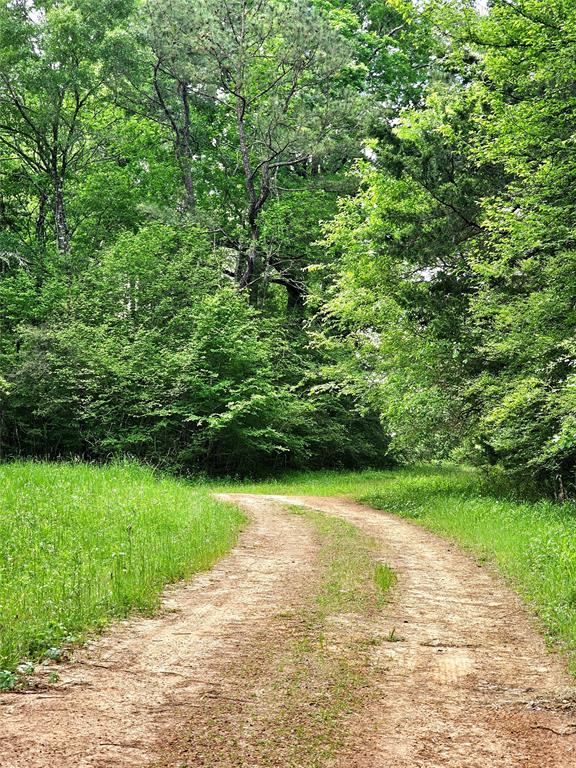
60 220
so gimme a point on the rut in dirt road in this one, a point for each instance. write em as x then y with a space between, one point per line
450 674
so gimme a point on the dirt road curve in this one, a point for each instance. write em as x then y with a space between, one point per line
468 684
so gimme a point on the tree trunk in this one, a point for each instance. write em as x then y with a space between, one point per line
184 148
256 287
41 221
296 296
60 220
253 277
188 183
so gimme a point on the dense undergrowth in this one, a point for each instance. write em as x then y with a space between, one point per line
342 237
81 544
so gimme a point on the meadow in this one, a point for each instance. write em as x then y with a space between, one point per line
80 545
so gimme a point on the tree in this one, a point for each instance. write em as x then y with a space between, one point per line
272 67
404 247
54 62
523 313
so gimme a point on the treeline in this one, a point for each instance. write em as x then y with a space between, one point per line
459 257
242 235
165 167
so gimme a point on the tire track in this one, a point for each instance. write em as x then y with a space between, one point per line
124 692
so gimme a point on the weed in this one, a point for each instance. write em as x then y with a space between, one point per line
384 577
7 680
355 579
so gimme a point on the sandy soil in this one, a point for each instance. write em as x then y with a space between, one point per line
467 682
122 694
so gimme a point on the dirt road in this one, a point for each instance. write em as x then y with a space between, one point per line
454 673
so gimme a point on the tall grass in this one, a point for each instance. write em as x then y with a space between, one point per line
315 483
80 544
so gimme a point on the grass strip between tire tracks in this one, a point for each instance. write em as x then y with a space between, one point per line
299 681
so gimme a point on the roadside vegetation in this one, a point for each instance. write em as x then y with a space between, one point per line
81 544
354 579
533 544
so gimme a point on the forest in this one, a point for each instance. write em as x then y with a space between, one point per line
287 383
242 236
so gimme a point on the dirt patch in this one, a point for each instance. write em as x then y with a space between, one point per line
286 704
120 695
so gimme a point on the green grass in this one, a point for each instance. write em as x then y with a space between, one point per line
328 681
81 544
355 580
533 544
313 483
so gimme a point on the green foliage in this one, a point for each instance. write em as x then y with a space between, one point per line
163 360
404 288
54 66
524 310
456 287
242 236
132 322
